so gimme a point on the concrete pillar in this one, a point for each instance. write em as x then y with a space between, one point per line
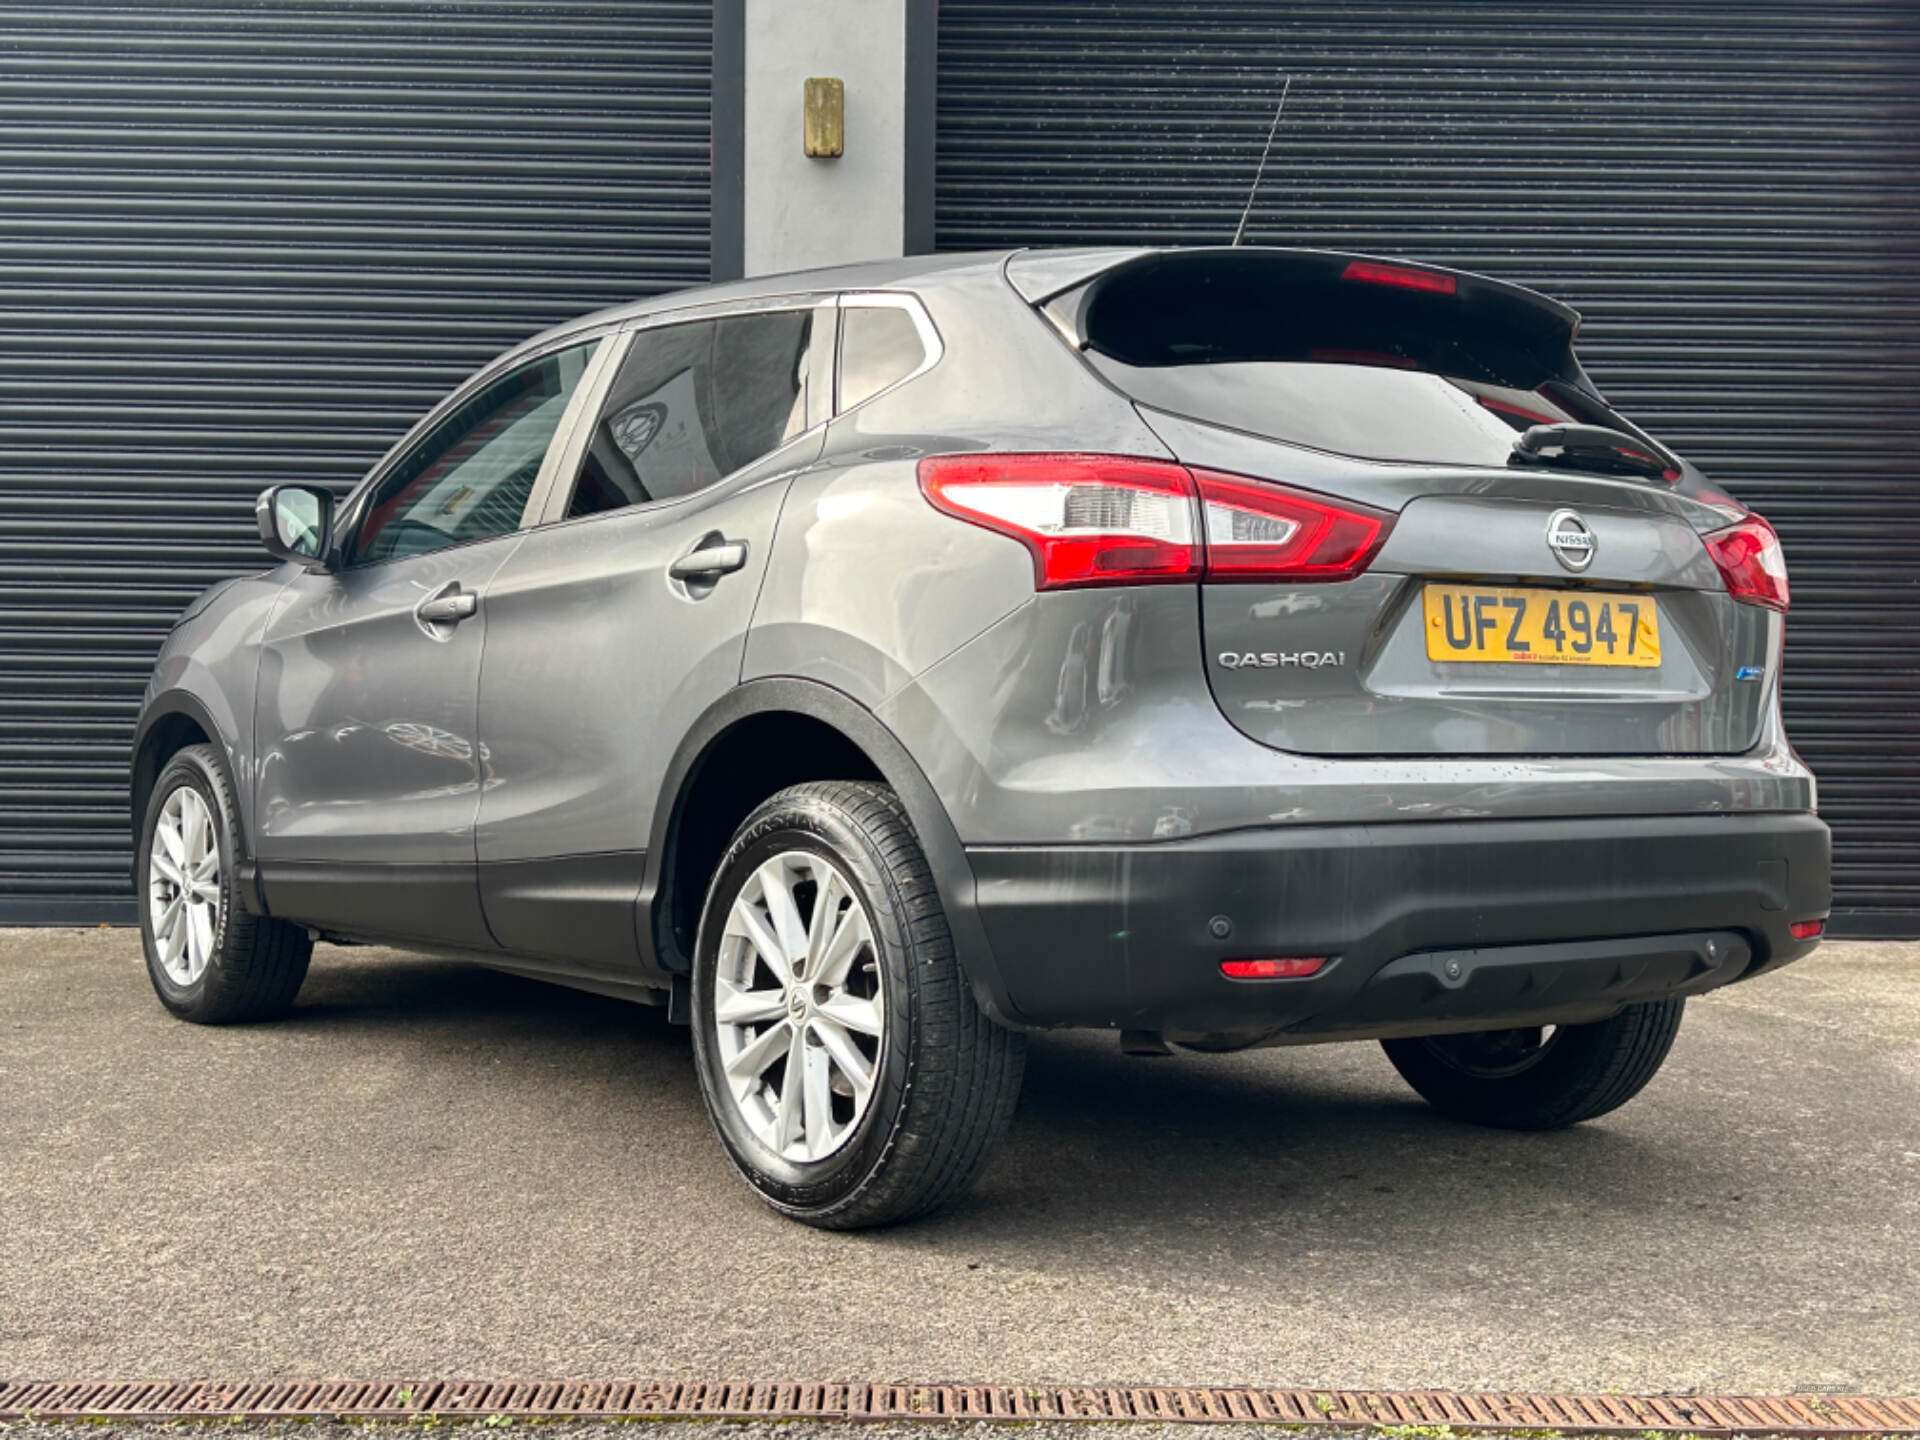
791 211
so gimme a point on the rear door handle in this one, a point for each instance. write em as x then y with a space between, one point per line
449 607
710 561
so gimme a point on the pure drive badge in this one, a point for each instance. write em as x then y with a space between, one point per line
1280 660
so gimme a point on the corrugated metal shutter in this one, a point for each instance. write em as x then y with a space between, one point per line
252 242
1724 189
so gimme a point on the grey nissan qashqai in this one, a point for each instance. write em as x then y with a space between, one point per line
1229 647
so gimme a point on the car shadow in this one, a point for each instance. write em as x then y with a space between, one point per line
1319 1146
1319 1149
373 988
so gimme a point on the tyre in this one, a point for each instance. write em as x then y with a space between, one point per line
210 961
1540 1078
848 1072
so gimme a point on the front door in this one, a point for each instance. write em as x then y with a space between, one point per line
614 627
369 766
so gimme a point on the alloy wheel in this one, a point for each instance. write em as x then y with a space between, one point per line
1495 1054
183 885
799 1006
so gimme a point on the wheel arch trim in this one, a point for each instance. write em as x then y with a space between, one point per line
141 775
946 857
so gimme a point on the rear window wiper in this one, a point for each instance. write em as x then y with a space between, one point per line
1592 447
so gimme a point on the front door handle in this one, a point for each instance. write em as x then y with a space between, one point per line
711 560
449 607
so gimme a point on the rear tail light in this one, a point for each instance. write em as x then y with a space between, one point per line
1291 967
1088 519
1116 520
1748 554
1808 929
1262 532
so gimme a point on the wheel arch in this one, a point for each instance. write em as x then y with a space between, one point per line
854 744
170 722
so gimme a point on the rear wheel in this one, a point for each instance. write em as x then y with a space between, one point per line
846 1068
1540 1077
210 961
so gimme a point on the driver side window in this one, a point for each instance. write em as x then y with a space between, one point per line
471 476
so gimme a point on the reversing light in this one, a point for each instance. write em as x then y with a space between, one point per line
1749 558
1256 531
1808 929
1372 272
1291 967
1087 519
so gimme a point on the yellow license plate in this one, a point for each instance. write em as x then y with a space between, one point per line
1540 627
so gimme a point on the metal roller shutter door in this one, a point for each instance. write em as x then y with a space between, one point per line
252 242
1725 190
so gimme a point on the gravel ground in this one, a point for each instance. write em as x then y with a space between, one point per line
434 1170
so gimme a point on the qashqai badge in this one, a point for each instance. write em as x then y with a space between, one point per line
1570 539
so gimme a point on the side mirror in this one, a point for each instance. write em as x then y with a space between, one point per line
296 523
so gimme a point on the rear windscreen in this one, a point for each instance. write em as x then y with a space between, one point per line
1321 350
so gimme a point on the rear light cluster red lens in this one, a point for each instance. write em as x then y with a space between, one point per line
1748 554
1808 929
1112 520
1291 967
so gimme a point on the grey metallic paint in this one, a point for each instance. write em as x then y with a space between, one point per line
597 662
536 753
1084 716
368 717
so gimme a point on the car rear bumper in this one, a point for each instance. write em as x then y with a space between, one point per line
1426 926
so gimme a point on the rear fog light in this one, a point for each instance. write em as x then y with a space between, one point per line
1292 967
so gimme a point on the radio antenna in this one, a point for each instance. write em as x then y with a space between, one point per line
1240 232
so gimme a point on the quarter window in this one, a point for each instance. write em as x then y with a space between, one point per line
694 403
471 477
879 346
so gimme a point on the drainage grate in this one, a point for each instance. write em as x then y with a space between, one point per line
1706 1415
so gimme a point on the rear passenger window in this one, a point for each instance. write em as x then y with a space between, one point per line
694 403
879 345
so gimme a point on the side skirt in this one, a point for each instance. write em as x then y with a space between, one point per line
580 911
573 919
436 904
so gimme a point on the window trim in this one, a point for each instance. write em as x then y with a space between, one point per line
819 383
931 345
352 510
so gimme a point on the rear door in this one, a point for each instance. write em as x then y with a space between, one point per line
1504 565
369 775
620 620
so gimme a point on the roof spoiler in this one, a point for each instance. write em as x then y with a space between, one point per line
1043 275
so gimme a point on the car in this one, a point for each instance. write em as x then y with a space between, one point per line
1226 647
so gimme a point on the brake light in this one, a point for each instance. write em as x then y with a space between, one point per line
1807 929
1372 272
1256 531
1292 967
1749 557
1087 519
1520 412
1117 520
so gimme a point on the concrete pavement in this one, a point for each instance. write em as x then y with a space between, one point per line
435 1170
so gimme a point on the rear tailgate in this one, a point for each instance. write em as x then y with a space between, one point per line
1519 605
1468 636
